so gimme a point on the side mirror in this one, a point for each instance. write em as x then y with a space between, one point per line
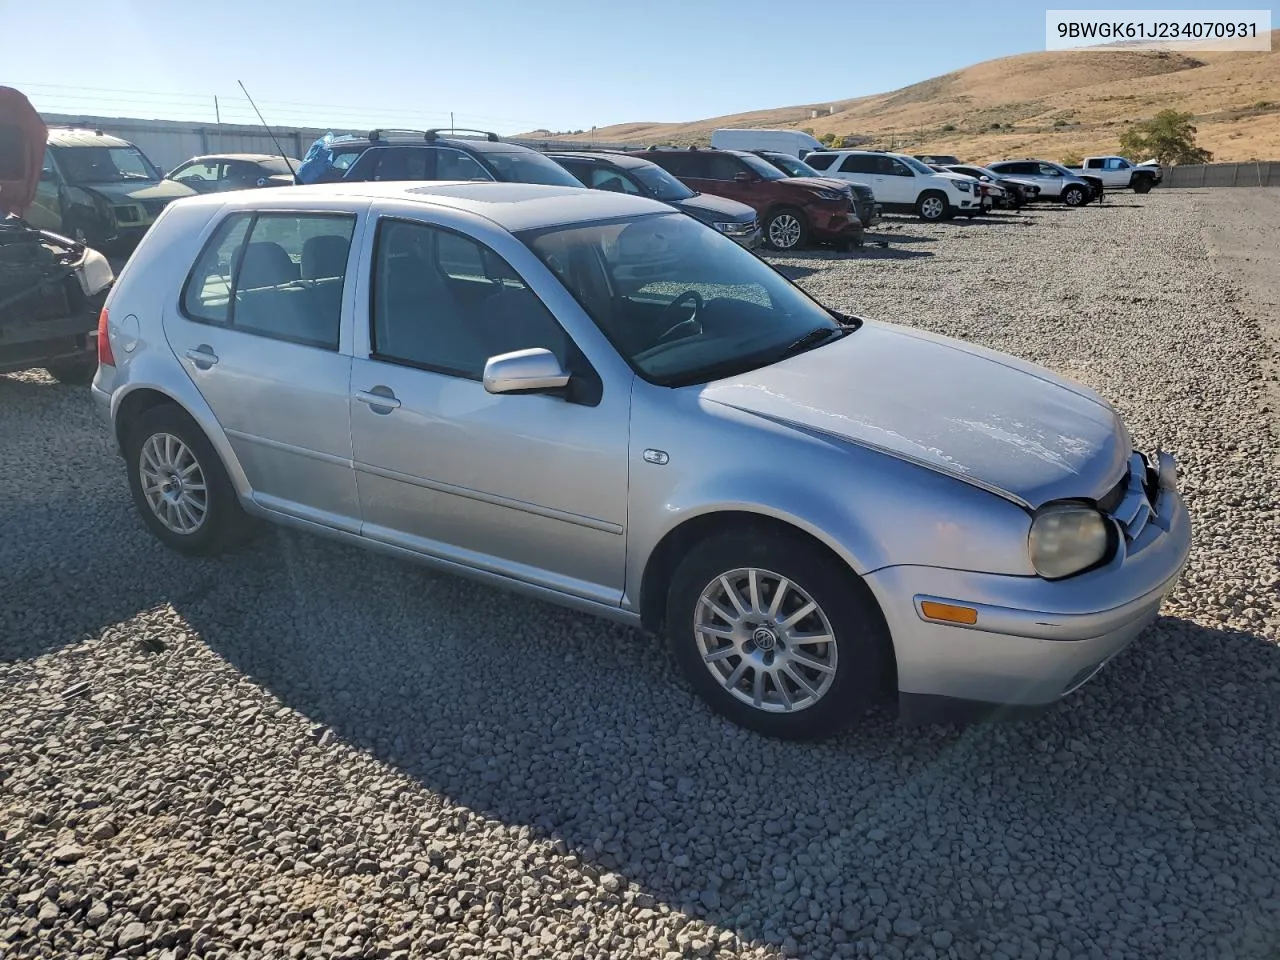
535 369
47 176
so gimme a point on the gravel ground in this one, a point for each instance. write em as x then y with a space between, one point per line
304 750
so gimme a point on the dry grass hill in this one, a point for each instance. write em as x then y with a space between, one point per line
1047 104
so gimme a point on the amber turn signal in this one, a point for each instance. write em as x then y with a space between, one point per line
948 612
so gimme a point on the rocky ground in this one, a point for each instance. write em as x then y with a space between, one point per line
303 750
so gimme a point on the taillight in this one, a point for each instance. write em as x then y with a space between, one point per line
105 356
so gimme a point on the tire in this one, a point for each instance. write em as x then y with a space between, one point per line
932 206
1074 196
76 373
221 520
856 668
786 229
1142 185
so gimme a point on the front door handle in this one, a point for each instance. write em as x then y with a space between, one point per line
202 356
380 399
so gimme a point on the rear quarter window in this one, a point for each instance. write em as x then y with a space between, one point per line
276 275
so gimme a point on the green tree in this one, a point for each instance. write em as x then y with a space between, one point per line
828 138
1071 159
1169 136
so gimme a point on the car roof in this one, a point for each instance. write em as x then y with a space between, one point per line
465 143
78 137
247 157
624 160
512 206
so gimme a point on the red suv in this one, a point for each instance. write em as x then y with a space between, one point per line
794 211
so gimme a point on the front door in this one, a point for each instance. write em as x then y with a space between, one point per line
530 486
259 332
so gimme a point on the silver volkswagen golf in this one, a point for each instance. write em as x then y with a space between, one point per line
587 397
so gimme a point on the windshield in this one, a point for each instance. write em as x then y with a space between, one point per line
681 302
792 166
916 165
104 164
764 168
526 166
662 185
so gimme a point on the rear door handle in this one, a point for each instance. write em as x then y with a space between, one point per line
379 402
202 356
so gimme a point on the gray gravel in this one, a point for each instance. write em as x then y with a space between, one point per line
304 750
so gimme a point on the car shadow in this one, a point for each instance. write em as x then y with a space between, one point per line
404 682
895 238
394 661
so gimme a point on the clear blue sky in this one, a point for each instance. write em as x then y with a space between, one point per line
504 65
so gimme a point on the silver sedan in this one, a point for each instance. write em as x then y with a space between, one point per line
599 402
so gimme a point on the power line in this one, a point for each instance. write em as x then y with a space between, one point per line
202 102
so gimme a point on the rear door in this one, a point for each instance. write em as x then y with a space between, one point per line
259 327
861 168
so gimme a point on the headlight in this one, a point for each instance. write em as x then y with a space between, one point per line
735 229
964 186
1066 538
94 273
829 195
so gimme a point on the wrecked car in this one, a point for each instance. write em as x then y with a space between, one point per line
51 287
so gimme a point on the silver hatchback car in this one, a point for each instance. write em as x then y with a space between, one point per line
600 402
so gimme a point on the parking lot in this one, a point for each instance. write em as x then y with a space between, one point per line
306 750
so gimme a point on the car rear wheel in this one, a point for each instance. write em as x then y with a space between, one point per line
179 484
932 206
786 230
777 636
1073 196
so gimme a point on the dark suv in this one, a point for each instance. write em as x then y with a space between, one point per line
620 172
427 155
793 210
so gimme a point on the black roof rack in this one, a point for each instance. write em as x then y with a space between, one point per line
379 133
435 132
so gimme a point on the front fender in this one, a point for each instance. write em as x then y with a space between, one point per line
870 509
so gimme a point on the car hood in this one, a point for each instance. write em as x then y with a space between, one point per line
819 183
125 190
711 209
990 420
24 124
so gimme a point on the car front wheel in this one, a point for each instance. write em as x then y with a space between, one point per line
932 206
1073 196
776 635
786 230
179 485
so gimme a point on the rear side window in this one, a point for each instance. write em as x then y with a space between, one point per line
820 161
858 163
277 275
679 164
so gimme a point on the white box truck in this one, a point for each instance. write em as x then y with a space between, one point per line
794 142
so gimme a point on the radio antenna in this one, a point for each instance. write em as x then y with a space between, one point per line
279 149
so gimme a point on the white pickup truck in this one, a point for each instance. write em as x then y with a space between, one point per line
1117 173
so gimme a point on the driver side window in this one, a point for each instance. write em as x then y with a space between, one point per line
445 303
1048 171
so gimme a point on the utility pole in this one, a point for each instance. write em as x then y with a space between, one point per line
217 114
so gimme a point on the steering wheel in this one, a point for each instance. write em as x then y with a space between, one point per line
691 320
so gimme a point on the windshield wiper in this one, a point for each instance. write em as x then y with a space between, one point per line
814 338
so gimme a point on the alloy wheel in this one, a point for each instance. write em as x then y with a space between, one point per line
765 640
173 483
784 231
932 208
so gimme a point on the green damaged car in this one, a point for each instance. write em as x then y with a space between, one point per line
99 190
